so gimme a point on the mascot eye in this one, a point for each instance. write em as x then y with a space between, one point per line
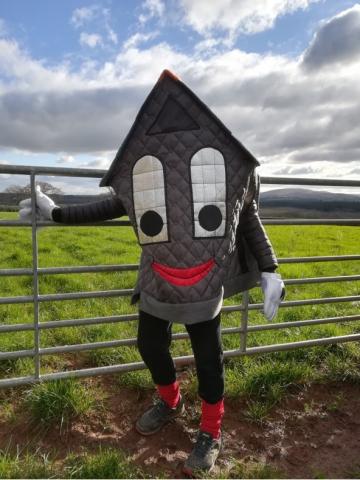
151 223
208 179
149 200
210 217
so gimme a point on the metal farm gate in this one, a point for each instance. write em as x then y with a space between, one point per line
242 330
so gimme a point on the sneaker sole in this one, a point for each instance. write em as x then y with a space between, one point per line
152 432
146 434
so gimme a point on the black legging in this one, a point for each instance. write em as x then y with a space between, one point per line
154 340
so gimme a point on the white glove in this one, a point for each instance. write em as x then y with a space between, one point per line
44 207
274 292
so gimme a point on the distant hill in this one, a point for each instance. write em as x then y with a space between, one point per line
277 203
302 202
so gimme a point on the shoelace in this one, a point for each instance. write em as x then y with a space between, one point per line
203 444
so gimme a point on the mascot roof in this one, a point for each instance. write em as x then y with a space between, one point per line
173 108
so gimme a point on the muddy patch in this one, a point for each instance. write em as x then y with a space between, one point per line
313 432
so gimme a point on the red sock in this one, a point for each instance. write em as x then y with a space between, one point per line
170 393
211 416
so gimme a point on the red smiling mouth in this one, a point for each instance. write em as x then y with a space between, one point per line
183 276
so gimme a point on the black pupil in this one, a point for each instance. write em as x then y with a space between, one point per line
210 217
151 223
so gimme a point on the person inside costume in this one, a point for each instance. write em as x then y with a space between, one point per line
191 191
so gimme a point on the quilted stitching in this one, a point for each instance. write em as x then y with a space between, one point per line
175 151
149 194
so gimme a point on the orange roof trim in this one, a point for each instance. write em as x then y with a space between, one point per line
168 73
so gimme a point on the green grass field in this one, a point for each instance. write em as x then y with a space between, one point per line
262 379
63 246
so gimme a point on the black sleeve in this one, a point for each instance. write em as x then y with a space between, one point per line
253 230
89 212
258 240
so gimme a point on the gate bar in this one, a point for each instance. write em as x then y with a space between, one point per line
243 330
179 361
126 223
14 272
99 173
22 327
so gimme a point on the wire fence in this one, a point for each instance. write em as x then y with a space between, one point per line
36 298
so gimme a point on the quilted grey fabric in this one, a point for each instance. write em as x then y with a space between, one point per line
208 183
238 247
251 228
149 194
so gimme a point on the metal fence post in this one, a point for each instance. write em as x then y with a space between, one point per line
244 320
35 277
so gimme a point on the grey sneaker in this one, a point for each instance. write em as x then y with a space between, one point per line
157 416
204 454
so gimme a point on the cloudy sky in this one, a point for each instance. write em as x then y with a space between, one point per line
283 75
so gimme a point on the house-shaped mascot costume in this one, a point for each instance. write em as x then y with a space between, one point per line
191 192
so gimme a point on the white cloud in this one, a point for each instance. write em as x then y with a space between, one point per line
291 119
151 9
91 40
65 159
234 16
24 73
208 45
80 16
100 20
135 70
310 169
98 162
111 35
139 38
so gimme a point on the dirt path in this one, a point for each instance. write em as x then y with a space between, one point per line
315 431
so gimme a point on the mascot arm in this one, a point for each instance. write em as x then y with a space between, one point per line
46 209
257 239
253 230
89 212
